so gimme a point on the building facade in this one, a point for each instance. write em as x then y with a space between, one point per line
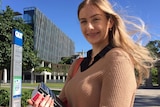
49 41
1 7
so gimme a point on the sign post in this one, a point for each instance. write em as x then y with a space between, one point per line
16 69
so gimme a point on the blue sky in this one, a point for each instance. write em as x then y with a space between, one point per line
63 13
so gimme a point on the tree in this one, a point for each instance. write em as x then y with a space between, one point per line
66 60
5 38
8 22
154 47
30 59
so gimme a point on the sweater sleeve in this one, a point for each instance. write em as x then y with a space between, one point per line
119 82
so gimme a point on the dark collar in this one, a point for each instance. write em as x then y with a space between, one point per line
101 53
85 63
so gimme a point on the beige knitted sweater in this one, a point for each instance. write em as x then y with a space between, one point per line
110 82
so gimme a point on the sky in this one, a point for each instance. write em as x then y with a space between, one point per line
63 13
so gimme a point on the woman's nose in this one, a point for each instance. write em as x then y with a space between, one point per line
90 26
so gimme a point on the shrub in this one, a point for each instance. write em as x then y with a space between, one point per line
4 97
25 95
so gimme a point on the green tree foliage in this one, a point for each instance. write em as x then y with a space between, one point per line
8 22
41 69
154 47
154 73
66 60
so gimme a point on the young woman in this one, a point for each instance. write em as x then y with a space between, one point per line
107 76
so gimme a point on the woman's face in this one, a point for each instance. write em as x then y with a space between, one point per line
94 25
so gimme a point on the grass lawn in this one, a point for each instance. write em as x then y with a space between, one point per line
52 86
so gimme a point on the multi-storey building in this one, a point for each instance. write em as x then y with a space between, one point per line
50 42
1 6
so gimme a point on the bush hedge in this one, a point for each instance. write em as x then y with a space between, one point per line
5 97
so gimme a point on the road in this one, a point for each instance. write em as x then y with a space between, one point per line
147 98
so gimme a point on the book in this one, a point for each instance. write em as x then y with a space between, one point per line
43 89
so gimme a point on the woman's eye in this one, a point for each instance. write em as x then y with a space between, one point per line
96 19
83 22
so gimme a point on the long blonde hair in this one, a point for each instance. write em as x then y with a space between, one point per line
121 33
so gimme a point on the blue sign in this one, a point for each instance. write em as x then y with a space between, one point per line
17 37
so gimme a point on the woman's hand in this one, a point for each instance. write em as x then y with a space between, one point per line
42 101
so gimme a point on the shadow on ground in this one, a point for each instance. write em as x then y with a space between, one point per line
144 100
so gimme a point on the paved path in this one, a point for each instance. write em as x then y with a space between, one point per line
147 98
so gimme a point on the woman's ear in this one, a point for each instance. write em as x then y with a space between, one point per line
111 22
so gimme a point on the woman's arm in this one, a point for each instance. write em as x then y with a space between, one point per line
119 82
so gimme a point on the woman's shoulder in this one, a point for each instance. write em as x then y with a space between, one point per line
118 57
117 54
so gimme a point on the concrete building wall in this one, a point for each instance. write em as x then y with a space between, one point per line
50 42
